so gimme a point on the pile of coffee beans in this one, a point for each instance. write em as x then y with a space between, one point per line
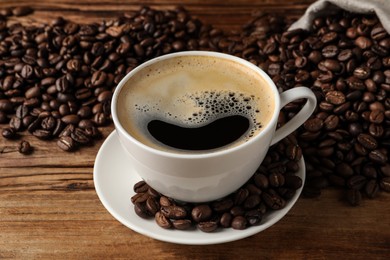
270 188
57 79
345 60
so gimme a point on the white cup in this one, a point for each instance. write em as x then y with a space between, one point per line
206 176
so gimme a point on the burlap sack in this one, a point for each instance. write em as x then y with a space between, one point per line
323 7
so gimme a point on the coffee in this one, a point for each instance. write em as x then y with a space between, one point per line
195 103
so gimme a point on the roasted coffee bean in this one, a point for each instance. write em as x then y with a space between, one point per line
356 182
182 224
276 180
42 134
164 201
385 169
253 217
261 181
252 201
226 219
48 123
293 153
313 124
25 147
67 130
162 220
273 200
240 196
71 119
237 211
151 205
140 187
66 143
201 213
385 184
174 212
140 198
16 123
378 157
80 136
239 222
293 181
367 141
207 226
9 133
21 111
139 209
371 189
335 97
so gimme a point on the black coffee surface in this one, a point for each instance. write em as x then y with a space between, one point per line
218 133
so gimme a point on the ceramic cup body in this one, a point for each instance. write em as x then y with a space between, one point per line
199 177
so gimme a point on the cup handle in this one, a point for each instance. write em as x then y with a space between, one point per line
306 111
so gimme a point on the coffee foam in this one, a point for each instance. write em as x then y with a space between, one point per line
193 91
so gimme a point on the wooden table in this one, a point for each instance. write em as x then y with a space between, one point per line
49 208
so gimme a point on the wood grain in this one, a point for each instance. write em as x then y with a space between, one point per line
49 208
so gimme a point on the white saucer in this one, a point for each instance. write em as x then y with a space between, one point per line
114 179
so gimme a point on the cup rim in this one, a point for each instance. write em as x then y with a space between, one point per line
205 153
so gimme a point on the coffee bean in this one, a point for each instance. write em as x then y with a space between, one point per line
80 136
252 201
207 226
367 141
226 219
141 198
293 181
182 224
261 181
253 217
162 220
385 170
371 189
25 147
273 200
313 124
6 105
71 119
201 213
385 184
378 157
363 42
330 51
376 116
66 143
335 97
140 187
276 180
42 134
293 153
356 182
239 222
151 205
9 133
48 123
173 212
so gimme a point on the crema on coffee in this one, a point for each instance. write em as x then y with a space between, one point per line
191 103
